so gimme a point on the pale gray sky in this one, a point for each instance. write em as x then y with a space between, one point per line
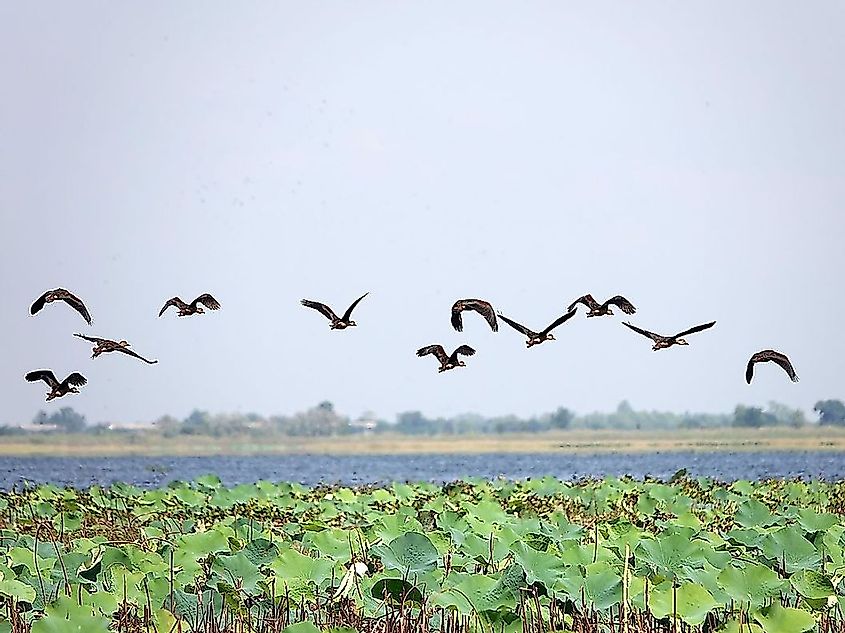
689 157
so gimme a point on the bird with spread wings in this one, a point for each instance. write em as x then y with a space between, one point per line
104 345
337 323
662 342
60 294
57 389
187 309
447 361
601 309
535 338
770 355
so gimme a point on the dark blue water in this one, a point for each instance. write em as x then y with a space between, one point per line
82 472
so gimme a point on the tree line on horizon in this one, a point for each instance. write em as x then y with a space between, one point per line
322 420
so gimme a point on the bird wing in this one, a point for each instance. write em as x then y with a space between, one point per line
94 339
477 305
749 368
587 300
322 308
622 303
463 350
175 301
697 328
126 350
770 355
43 374
437 350
654 337
349 310
74 302
39 303
75 380
559 321
207 300
517 326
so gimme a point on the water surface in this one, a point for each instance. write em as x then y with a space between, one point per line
81 472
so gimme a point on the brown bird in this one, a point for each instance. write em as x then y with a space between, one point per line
187 309
535 338
104 345
661 342
60 294
770 355
337 323
447 362
596 309
478 305
57 389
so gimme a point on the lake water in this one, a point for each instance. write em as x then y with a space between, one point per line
82 472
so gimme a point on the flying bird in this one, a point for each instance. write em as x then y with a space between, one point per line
337 323
57 389
596 309
535 338
60 294
478 305
770 355
104 345
187 309
446 362
661 342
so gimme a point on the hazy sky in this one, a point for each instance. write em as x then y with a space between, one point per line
689 157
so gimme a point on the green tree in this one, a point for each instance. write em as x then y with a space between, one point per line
65 419
561 419
753 417
830 412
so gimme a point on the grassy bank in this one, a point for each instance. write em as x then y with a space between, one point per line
564 442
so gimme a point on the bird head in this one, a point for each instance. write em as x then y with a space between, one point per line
610 312
461 363
200 310
550 337
681 341
124 343
352 324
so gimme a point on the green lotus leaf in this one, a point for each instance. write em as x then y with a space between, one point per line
397 590
334 543
689 601
735 626
752 513
260 551
411 552
301 627
778 619
812 521
71 618
752 584
127 586
17 590
603 585
238 571
789 546
298 574
812 584
539 566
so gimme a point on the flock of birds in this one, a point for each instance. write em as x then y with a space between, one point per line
74 381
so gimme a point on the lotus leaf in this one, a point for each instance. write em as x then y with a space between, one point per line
752 584
812 584
689 601
778 619
411 552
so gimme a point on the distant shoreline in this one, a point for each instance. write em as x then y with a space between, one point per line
146 443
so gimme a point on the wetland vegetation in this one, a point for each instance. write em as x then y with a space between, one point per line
535 556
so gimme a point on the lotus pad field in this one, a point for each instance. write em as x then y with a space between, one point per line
536 556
